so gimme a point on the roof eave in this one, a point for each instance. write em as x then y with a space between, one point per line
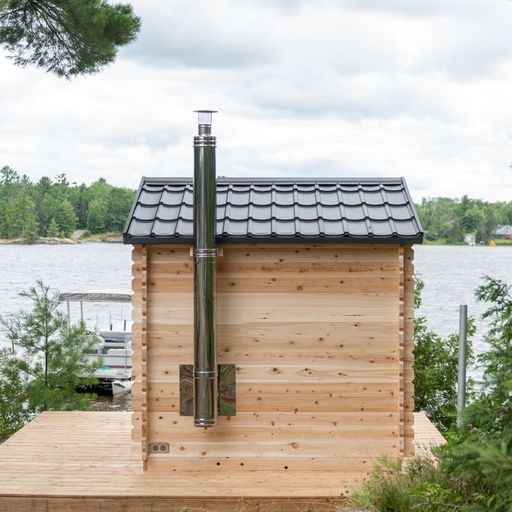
163 240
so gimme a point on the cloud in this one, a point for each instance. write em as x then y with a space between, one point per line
419 89
221 34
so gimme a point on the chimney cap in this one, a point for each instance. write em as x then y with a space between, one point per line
204 121
205 116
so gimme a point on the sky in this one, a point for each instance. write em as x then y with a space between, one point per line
303 88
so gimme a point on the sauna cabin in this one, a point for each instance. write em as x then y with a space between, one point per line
272 321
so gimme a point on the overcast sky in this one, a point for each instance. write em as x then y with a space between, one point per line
420 89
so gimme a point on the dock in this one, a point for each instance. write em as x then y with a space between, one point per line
87 461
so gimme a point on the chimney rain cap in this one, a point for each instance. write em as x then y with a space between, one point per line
205 117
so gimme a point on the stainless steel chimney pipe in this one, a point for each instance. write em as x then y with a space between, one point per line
205 254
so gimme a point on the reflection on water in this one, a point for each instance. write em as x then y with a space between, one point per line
113 403
451 275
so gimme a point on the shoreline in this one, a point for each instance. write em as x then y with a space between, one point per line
117 238
110 239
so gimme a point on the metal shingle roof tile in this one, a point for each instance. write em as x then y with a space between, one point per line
143 212
329 198
306 198
308 227
235 228
357 228
284 213
354 212
172 197
406 228
307 212
396 198
373 198
381 228
284 198
350 197
266 209
166 212
377 212
333 228
140 228
401 212
150 198
331 212
285 228
261 198
161 227
240 212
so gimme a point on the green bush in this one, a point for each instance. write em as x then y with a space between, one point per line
492 411
46 363
473 472
435 369
420 486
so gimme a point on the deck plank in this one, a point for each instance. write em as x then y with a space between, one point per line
68 455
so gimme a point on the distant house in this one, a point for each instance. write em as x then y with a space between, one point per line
504 230
469 239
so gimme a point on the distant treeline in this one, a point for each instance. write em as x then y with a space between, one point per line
447 220
56 208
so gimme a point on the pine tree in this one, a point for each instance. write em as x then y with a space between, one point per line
30 231
53 229
96 217
435 369
47 361
14 408
68 37
492 412
66 217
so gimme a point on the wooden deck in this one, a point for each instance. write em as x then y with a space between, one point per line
86 461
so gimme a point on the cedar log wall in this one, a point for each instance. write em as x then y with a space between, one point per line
322 339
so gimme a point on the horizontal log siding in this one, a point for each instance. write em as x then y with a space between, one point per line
408 351
315 334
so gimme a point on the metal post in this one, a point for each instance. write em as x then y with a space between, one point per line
461 386
69 313
81 311
205 253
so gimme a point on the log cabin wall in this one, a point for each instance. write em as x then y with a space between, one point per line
321 336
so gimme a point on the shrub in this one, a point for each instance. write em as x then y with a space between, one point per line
435 369
474 473
46 363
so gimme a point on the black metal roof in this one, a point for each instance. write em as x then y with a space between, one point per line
368 210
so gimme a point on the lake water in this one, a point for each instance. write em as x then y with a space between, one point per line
451 275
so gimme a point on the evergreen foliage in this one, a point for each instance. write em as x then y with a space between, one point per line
436 367
46 363
26 210
66 37
492 411
474 470
55 208
53 229
447 220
